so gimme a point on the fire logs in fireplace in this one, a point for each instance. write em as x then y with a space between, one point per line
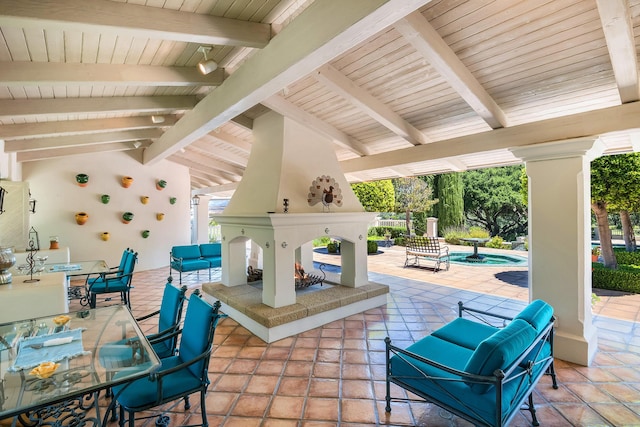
302 279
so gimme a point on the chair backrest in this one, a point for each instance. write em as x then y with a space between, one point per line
171 307
197 333
123 259
130 263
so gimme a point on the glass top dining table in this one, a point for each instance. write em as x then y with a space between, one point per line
55 361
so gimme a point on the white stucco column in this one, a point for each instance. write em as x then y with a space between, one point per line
201 220
559 239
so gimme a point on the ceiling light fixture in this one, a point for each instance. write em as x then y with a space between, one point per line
157 119
137 144
206 66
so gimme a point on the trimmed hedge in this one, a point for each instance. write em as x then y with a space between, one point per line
625 279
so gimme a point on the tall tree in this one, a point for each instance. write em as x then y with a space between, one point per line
412 194
450 207
615 185
493 200
375 196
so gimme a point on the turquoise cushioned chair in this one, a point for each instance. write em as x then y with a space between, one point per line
118 281
180 375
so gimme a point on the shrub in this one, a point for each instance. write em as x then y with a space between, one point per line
322 241
496 242
452 235
381 231
478 232
626 278
372 247
627 258
400 241
333 247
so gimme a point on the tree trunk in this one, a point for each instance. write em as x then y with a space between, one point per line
407 219
606 246
627 231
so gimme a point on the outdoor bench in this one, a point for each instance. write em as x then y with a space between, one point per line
188 258
478 369
426 248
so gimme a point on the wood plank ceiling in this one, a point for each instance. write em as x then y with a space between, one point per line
402 87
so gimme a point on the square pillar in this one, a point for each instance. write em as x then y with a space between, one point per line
560 240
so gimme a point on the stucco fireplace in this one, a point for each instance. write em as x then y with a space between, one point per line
289 161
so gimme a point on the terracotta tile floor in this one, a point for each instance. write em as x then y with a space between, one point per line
334 375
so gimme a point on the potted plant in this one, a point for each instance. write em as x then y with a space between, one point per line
161 184
595 253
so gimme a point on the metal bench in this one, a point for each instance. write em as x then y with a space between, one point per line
426 248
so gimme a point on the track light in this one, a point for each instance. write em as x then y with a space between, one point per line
206 66
157 119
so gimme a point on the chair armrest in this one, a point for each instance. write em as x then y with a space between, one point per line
164 335
147 316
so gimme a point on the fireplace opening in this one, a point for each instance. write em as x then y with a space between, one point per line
302 279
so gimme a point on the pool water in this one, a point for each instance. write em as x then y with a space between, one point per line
489 259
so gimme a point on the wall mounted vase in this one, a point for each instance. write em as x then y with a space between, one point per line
82 218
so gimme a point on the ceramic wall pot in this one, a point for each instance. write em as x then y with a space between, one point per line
54 242
144 199
82 218
105 198
161 184
145 233
105 235
159 216
172 200
127 217
82 179
127 181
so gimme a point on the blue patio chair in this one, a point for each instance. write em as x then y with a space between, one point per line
180 375
118 281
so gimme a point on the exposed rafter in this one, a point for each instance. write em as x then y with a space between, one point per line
68 127
283 61
28 156
49 73
426 40
618 32
288 109
127 19
626 116
377 110
231 141
140 104
234 159
48 143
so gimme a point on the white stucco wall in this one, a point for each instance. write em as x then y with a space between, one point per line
53 185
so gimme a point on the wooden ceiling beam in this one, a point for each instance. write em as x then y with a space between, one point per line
417 30
618 32
18 74
206 163
28 156
204 145
119 104
370 105
67 141
284 61
68 127
231 140
285 108
131 20
597 122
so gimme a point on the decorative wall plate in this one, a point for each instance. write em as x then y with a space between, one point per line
325 190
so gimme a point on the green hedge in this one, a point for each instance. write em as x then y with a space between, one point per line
372 247
626 278
627 258
381 231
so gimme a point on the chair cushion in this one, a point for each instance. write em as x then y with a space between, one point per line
214 261
210 250
538 314
190 265
143 393
465 332
499 351
186 252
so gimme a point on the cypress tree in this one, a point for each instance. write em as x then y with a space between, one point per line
450 207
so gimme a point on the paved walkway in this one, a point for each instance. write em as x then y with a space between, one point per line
616 314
